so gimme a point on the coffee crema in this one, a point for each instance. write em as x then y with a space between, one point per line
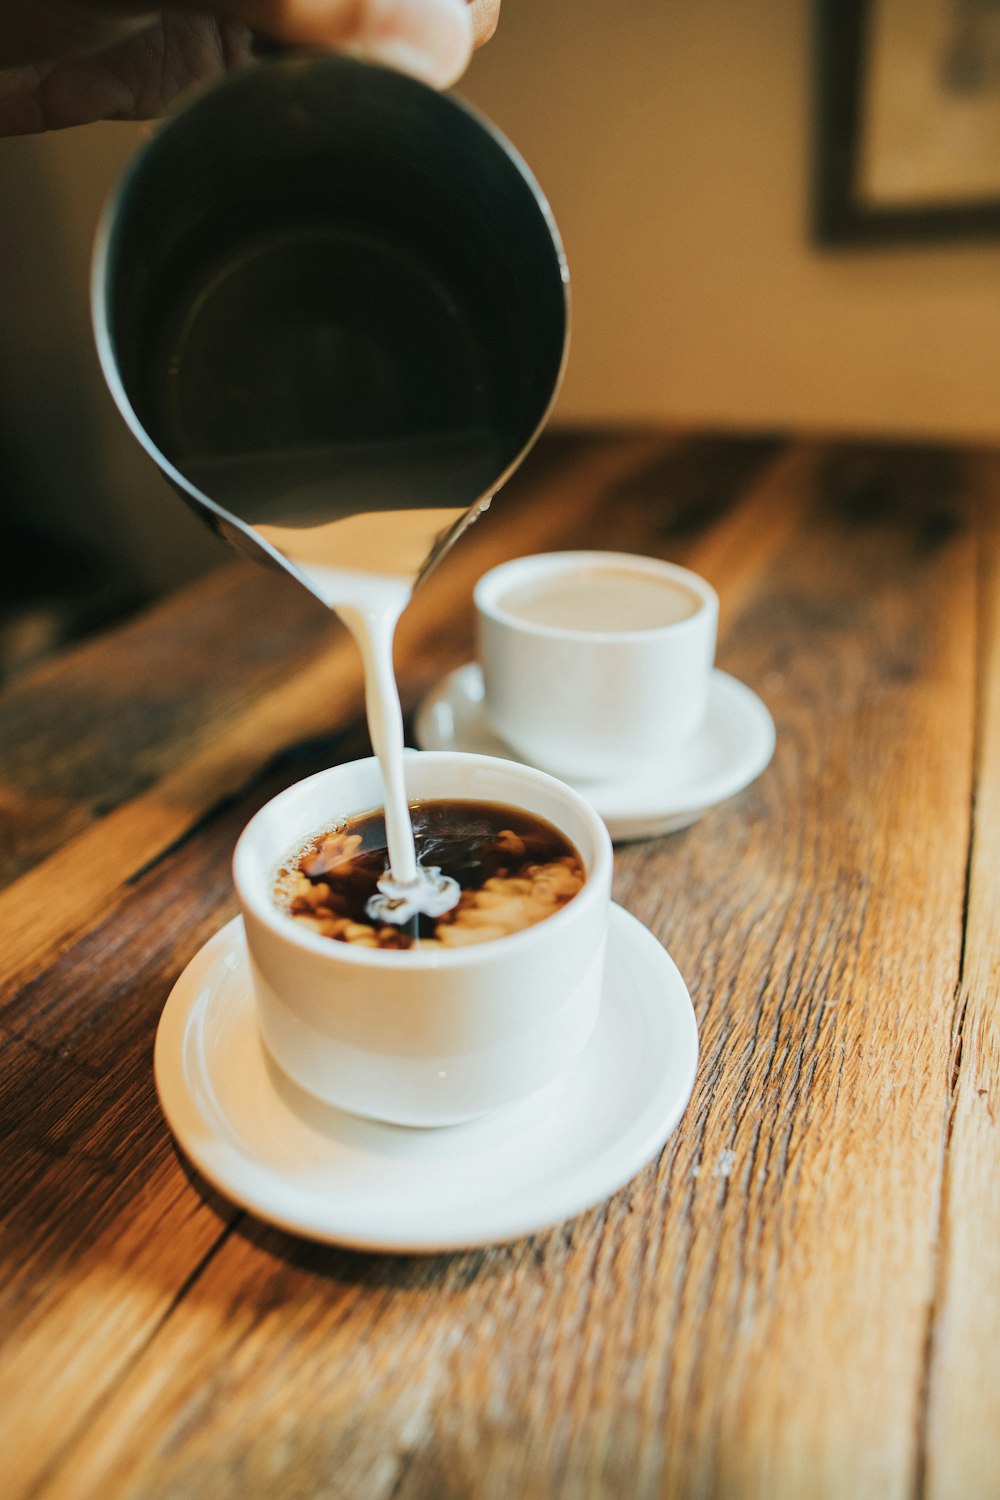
600 599
514 870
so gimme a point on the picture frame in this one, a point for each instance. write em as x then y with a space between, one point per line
907 124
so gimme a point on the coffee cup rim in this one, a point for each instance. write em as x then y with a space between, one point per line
492 585
247 875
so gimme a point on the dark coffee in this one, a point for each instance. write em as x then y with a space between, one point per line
514 869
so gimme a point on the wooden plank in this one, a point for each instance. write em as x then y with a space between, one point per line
963 1446
101 1227
111 1296
828 929
748 1317
60 897
736 552
102 723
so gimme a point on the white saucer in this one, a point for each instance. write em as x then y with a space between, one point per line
730 750
331 1176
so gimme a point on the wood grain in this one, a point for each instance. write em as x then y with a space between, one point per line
963 1447
797 1298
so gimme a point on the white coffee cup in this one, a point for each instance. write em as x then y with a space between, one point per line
595 663
424 1036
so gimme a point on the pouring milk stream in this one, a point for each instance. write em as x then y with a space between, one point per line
370 605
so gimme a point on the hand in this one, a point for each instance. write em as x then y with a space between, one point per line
69 62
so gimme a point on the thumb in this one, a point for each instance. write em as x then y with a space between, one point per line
431 39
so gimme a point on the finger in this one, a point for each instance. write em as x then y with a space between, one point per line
485 15
432 39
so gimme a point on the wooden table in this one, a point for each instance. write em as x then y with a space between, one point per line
799 1297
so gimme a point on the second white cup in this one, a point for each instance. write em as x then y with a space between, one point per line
595 662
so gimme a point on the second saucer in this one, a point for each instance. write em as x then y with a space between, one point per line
733 745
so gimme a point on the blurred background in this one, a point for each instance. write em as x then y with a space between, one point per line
677 146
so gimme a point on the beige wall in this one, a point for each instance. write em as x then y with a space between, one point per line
673 140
